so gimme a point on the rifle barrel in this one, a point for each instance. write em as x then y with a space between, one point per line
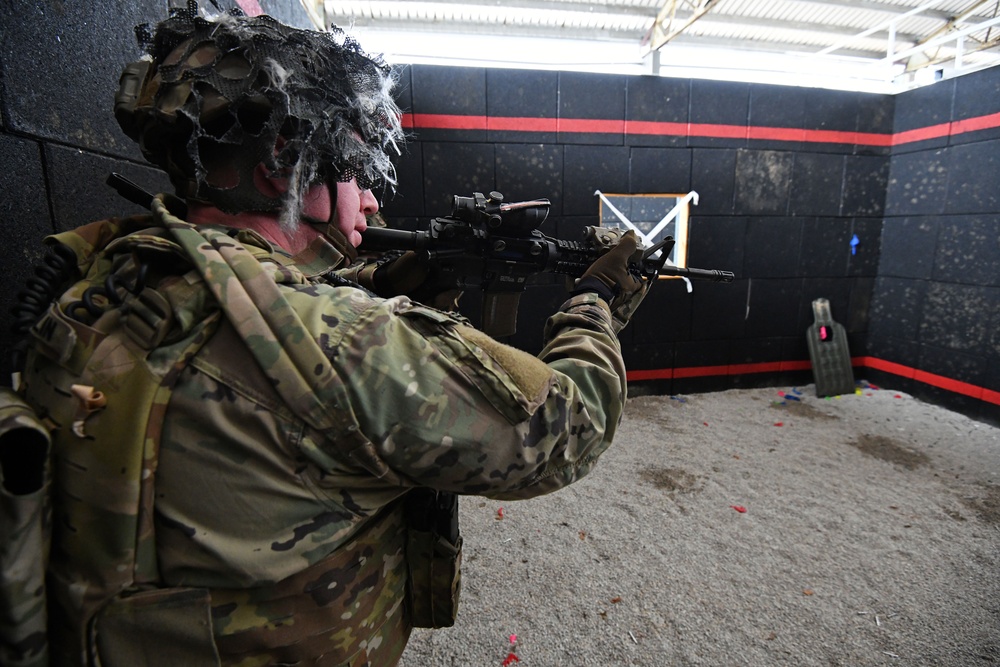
713 275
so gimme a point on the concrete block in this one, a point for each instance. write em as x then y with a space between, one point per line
590 168
659 100
817 184
61 67
968 250
918 183
587 96
663 170
531 171
525 94
456 169
908 247
713 177
80 194
763 182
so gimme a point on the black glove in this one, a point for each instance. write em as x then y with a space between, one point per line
610 278
400 275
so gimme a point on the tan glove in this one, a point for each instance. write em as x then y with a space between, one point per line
610 278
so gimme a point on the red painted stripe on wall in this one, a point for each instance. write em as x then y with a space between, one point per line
874 363
717 131
523 124
776 133
657 374
700 371
921 134
882 365
439 121
934 380
951 129
656 128
742 369
949 384
977 123
588 125
665 129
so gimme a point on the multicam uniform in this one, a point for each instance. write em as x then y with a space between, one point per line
278 521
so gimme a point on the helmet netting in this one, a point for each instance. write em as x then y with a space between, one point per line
234 92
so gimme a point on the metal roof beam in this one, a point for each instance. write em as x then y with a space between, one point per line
941 40
912 66
956 22
335 8
888 24
894 10
771 46
431 27
664 29
640 11
541 30
821 28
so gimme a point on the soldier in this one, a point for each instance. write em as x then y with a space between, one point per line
251 455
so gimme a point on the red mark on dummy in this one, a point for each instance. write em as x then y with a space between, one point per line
250 7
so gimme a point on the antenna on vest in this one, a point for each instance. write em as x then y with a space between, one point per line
130 190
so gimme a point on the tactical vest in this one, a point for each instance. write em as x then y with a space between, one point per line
100 374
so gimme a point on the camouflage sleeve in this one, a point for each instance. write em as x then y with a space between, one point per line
450 408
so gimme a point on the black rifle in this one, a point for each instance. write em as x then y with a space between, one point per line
497 247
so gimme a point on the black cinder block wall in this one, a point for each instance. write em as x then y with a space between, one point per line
786 177
884 205
935 313
59 68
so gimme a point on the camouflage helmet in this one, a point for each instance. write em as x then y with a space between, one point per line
217 97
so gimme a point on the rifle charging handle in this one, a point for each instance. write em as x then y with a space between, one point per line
497 199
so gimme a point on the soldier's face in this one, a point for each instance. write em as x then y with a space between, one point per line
353 204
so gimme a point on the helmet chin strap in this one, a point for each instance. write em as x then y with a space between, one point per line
329 227
331 221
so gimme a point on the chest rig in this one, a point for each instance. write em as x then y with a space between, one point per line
99 371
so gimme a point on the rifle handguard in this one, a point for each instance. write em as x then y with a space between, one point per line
497 248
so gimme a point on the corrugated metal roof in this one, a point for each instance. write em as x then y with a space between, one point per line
852 35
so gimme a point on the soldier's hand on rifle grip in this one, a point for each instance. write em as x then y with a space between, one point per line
610 277
401 275
410 275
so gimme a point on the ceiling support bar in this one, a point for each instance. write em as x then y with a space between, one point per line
664 29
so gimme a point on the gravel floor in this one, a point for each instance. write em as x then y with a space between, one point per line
748 527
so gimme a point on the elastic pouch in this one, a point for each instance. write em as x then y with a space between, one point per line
158 628
24 451
434 558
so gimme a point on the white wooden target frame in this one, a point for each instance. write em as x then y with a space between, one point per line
652 217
